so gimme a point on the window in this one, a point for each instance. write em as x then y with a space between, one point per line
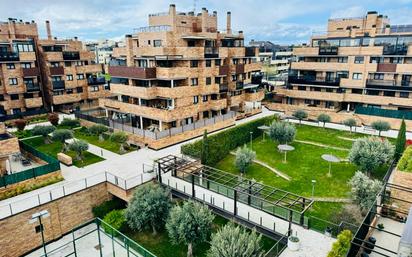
25 48
78 63
378 76
217 80
80 76
342 59
389 93
1 97
205 98
69 77
26 65
16 110
56 78
194 64
11 66
13 81
14 97
398 60
404 94
69 91
95 88
157 43
191 43
359 59
234 77
68 64
218 62
54 64
79 89
195 99
194 81
208 63
148 42
208 80
357 76
235 61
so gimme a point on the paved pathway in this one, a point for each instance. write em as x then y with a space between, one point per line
321 145
332 200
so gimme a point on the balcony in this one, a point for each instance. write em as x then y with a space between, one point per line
64 99
71 56
250 51
132 72
386 67
255 96
328 50
239 85
223 88
240 69
54 71
395 50
211 52
58 85
96 81
314 81
32 87
388 85
9 56
31 72
223 70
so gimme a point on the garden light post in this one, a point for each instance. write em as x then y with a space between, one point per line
37 217
313 187
251 139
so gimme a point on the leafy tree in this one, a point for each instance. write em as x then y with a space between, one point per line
405 163
189 224
282 132
120 138
244 157
43 131
53 118
369 153
342 245
323 117
364 190
234 241
205 148
61 135
70 123
148 208
300 115
400 141
380 126
20 124
116 220
350 123
79 146
98 130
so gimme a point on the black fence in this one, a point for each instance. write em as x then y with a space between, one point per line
94 119
20 115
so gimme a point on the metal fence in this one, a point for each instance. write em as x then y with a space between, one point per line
396 114
51 166
6 117
278 247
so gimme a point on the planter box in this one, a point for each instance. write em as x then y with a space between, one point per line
65 159
293 246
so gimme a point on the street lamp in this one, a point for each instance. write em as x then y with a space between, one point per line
36 217
251 139
313 187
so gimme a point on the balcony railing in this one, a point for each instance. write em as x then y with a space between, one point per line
250 51
9 56
96 81
395 50
58 85
31 72
239 85
71 56
211 52
223 70
389 85
223 88
153 29
56 71
328 50
32 87
314 80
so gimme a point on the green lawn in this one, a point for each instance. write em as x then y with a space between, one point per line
161 246
55 147
94 140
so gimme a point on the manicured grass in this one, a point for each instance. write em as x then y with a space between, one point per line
22 133
56 147
161 246
94 140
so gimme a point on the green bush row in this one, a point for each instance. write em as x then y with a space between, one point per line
222 143
405 163
101 210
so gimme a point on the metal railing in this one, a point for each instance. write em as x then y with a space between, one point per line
153 29
278 247
22 114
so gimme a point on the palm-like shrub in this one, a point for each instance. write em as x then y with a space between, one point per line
282 132
43 131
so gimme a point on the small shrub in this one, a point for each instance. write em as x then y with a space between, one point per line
300 115
70 123
116 220
53 118
101 210
244 158
323 117
20 124
405 163
342 245
79 146
381 126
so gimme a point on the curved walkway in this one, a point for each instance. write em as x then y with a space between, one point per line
321 145
332 200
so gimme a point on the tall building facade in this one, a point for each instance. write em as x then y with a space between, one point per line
45 74
359 64
180 70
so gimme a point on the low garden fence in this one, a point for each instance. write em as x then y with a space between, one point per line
396 114
51 166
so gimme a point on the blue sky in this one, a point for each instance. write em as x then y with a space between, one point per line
285 22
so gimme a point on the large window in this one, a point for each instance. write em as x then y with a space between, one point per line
357 76
359 59
13 81
24 47
157 43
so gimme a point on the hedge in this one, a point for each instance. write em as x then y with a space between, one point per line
222 143
405 163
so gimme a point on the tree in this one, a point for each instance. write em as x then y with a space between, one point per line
342 245
400 141
369 153
120 138
300 115
380 126
43 131
53 118
148 208
364 190
98 130
233 241
244 157
189 224
20 124
350 123
323 117
282 132
205 148
61 135
79 146
115 219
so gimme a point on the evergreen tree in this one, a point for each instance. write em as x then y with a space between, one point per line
400 141
205 148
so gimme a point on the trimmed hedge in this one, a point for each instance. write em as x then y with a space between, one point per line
405 163
220 144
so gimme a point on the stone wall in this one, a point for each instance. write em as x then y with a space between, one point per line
18 236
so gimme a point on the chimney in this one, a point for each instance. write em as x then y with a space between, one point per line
12 28
129 50
75 38
172 9
228 23
204 19
48 30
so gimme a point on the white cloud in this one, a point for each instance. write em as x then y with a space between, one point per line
354 11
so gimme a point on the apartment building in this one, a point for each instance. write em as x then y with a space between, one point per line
359 64
20 80
180 70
